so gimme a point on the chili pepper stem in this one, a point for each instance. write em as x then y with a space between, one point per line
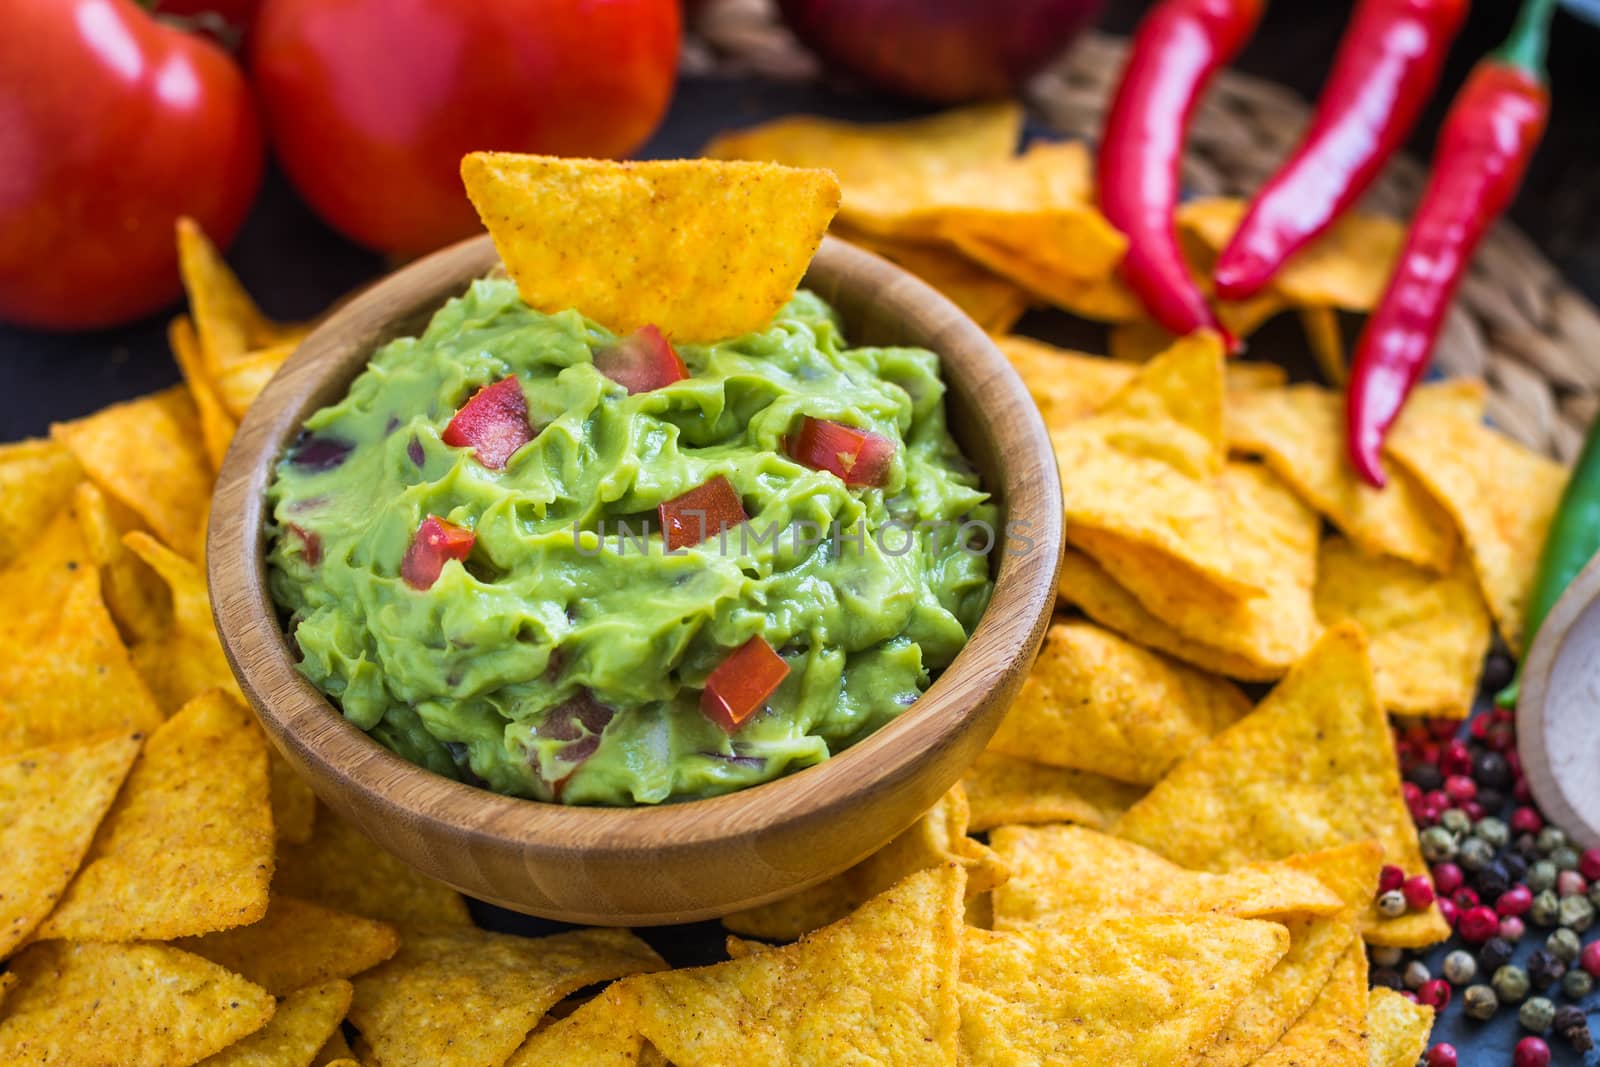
1529 41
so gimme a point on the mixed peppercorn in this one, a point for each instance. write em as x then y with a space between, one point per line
1502 878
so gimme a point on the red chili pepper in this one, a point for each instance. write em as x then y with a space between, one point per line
1490 133
1386 69
1179 45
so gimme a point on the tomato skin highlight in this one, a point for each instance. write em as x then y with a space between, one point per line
115 126
857 457
372 103
494 423
741 684
642 361
436 542
699 514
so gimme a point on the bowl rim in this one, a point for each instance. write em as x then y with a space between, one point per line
304 724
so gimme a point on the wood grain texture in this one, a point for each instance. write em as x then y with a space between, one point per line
1556 711
678 862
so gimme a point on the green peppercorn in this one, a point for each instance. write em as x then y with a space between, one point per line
1459 968
1551 838
1575 913
1565 858
1457 822
1474 854
1510 983
1493 830
1392 904
1541 876
1577 983
1417 975
1563 944
1386 956
1479 1002
1536 1014
1439 845
1546 909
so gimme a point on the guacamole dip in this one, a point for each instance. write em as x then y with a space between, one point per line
509 614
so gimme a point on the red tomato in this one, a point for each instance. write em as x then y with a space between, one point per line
494 423
436 542
695 516
111 127
642 361
372 103
741 684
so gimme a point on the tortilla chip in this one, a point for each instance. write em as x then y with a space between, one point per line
939 837
146 1004
71 677
1068 385
187 660
8 981
134 594
1501 495
1105 300
1063 872
216 423
341 868
1321 326
1299 433
1003 790
1398 1029
34 584
1311 768
992 302
457 995
301 1025
147 454
335 1050
1136 991
1332 1032
298 944
1143 339
1272 539
51 801
239 384
36 480
704 250
227 323
1429 634
1348 267
1096 702
1144 468
885 165
593 1036
879 986
187 847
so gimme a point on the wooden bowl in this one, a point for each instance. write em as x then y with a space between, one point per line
1557 730
676 862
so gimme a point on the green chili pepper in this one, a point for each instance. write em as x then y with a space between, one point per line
1572 541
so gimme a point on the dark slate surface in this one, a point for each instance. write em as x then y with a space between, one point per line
296 267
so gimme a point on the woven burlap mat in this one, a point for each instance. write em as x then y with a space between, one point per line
1516 322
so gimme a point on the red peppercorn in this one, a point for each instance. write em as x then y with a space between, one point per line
1474 810
1460 789
1478 924
1447 908
1465 898
1416 734
1525 820
1589 864
1428 752
1590 960
1498 714
1409 996
1412 793
1514 761
1418 891
1443 729
1512 928
1442 1055
1390 878
1521 793
1514 901
1501 737
1455 759
1479 728
1447 878
1571 884
1435 994
1531 1052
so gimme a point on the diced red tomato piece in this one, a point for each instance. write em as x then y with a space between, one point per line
701 513
858 457
494 423
642 361
741 684
436 541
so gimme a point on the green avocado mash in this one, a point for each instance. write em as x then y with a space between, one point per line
564 657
